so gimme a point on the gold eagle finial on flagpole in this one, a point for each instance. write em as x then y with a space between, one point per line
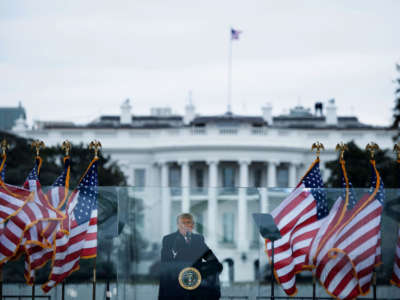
396 149
96 145
66 146
341 147
38 144
372 148
319 146
4 147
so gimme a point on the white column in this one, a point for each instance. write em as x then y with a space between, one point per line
292 175
212 203
263 200
242 206
264 192
185 208
272 174
166 200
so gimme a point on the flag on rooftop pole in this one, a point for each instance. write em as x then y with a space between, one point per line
298 218
346 259
81 212
235 34
37 256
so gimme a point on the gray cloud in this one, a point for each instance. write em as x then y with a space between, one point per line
77 59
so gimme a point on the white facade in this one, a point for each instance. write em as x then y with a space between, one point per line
219 171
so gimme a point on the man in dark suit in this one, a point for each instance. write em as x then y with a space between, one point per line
183 249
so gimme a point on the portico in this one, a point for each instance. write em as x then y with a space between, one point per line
238 181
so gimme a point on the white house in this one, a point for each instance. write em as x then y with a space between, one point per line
221 168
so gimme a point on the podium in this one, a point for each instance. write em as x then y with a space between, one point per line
268 230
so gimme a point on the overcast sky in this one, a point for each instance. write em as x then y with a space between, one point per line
74 60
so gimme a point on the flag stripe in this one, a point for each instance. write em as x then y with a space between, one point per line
396 266
347 257
298 220
81 222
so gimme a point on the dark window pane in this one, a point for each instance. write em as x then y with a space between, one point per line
199 178
228 177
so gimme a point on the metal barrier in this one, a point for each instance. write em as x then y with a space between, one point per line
316 298
5 297
295 298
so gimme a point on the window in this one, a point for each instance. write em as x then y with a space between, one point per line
228 177
256 236
228 227
258 178
199 223
175 181
138 217
140 178
174 177
283 176
199 178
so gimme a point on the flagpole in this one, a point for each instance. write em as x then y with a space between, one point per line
63 290
230 73
108 292
314 287
374 282
1 282
94 280
33 291
272 273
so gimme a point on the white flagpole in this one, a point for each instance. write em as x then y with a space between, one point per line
230 71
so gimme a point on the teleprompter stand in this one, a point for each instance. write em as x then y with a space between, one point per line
268 230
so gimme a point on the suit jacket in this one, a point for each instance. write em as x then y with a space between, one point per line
176 254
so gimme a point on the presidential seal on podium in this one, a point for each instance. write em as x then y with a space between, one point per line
189 278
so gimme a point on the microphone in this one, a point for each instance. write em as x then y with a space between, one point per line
188 236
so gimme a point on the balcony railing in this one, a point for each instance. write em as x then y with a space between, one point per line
228 131
199 191
198 131
203 191
228 191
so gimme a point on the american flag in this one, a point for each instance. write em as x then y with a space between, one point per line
25 226
235 34
37 256
35 233
348 256
346 201
2 177
3 167
81 218
396 267
33 184
12 200
298 219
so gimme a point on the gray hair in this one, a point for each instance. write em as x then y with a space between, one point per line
184 216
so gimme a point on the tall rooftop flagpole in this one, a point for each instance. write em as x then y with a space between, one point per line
234 35
230 71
